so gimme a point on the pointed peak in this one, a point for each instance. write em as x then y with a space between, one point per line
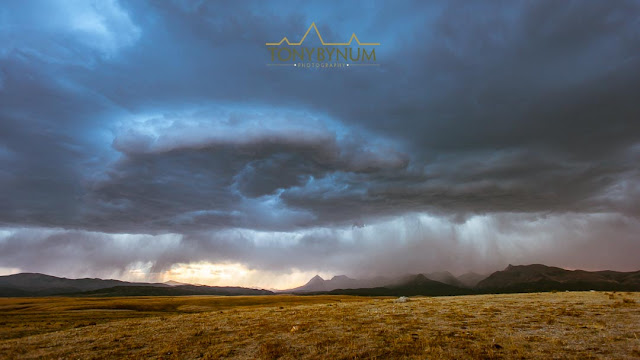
317 278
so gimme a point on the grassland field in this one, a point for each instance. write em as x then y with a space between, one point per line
563 325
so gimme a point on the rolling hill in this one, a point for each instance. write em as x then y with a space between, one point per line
537 277
34 284
413 285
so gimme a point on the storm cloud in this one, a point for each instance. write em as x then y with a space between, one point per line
154 133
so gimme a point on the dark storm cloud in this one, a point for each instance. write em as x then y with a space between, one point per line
161 117
409 244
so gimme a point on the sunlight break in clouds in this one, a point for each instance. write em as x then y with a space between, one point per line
205 273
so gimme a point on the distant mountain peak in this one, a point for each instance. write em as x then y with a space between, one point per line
444 277
315 281
341 277
419 278
174 283
539 277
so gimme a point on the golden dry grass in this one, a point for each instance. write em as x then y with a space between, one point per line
582 325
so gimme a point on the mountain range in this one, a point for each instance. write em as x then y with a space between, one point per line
33 284
528 278
409 286
522 278
318 284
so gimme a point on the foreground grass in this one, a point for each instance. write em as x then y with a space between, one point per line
580 325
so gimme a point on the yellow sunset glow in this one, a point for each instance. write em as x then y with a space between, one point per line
235 274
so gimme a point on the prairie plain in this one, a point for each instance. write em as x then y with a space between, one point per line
560 325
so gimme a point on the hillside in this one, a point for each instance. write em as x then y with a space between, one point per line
33 284
537 277
342 282
413 285
445 277
318 284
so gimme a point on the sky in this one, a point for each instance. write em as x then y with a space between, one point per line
152 140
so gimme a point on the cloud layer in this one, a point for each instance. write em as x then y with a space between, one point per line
153 133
